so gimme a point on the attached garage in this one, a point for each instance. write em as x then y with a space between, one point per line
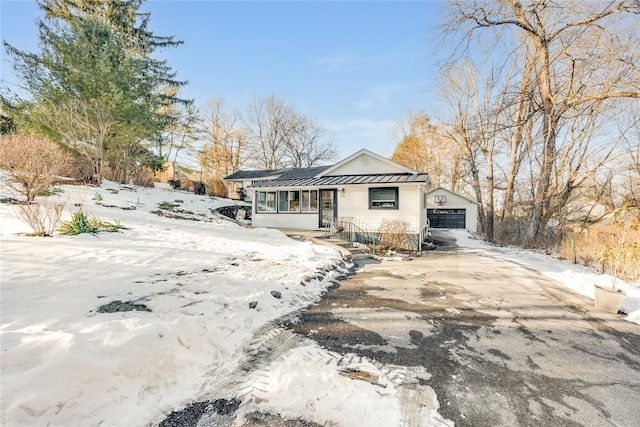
446 209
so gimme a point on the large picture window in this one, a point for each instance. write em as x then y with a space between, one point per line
309 201
265 201
288 201
383 198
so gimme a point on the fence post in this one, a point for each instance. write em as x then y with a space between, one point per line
573 241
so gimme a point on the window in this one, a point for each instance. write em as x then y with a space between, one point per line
383 198
265 201
309 200
288 201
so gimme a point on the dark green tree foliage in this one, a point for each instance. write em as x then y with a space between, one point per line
94 85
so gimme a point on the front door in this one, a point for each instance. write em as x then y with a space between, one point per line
327 207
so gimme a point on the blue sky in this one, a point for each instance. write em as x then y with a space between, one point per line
356 67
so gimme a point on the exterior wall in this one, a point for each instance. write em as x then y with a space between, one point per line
355 203
232 189
422 214
295 221
455 201
364 165
165 174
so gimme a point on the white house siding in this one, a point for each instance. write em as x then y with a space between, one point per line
422 209
355 203
365 165
297 221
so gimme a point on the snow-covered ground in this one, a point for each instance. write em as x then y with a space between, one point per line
64 363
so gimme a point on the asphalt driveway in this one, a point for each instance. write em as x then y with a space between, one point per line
501 345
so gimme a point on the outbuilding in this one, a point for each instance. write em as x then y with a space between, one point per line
446 209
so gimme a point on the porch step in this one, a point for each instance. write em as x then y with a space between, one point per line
356 252
357 255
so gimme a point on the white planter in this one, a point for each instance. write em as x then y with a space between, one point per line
608 300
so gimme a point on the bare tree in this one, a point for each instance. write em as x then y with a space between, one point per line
225 148
30 163
269 123
180 130
585 56
304 146
282 137
83 127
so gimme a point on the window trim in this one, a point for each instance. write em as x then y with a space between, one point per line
396 201
289 201
266 202
297 203
302 206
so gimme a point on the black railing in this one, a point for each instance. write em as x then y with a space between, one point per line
353 230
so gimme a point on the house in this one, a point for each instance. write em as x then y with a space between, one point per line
238 182
364 196
446 209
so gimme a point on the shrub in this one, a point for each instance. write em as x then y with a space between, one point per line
394 234
49 191
42 216
620 251
30 163
81 223
216 187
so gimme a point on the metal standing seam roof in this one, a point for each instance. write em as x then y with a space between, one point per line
343 180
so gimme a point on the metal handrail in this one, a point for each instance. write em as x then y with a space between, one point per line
354 230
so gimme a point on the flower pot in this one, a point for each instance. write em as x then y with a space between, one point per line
608 300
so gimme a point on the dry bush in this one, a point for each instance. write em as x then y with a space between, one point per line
30 162
144 178
587 244
510 231
621 235
216 187
513 232
394 234
42 216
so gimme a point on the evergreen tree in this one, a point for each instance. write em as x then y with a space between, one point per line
95 87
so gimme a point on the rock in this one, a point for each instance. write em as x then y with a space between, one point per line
328 266
119 306
253 304
276 294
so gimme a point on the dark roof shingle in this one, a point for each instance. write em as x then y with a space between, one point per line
302 173
255 174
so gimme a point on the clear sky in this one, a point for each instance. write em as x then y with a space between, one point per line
356 67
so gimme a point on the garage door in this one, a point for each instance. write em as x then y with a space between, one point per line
447 218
